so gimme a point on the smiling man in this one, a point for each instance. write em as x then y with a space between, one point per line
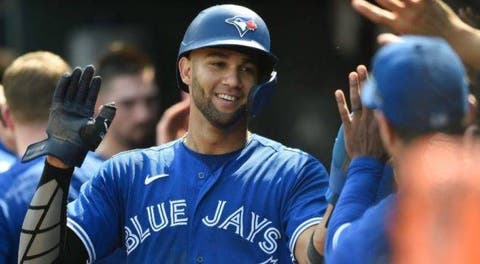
219 194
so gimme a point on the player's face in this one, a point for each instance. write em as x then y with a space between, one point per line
221 81
136 98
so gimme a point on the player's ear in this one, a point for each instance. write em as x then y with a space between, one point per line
7 120
185 70
472 110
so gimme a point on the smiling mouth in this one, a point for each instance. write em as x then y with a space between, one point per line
226 97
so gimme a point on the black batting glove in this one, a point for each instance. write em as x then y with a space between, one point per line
72 131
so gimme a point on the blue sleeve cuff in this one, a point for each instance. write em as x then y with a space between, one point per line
358 194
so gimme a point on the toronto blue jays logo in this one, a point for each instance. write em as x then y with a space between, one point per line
243 24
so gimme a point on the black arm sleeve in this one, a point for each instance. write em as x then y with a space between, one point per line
44 237
75 251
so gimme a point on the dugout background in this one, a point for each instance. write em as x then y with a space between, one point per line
317 42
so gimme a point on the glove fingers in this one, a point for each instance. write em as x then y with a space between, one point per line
73 85
93 92
62 85
84 84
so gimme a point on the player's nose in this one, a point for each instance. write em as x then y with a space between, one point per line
231 78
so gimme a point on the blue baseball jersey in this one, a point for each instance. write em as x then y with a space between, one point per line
17 186
168 204
358 227
7 158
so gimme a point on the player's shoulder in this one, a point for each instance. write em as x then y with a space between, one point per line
92 161
21 177
279 148
154 154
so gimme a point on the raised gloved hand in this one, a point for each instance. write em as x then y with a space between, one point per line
72 131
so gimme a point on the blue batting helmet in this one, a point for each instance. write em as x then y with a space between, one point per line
236 27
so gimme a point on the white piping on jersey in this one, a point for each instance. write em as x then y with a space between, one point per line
336 236
78 230
293 241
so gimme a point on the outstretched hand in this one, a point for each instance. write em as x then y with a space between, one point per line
360 127
174 122
424 17
72 131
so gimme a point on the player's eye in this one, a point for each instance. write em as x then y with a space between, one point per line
217 64
249 69
246 69
126 104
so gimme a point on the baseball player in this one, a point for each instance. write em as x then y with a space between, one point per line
29 84
418 90
7 144
128 79
219 194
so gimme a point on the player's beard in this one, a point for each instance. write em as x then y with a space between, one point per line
217 118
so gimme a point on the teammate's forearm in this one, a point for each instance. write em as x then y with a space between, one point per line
465 40
321 231
43 231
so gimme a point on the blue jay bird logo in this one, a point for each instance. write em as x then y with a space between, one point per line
243 24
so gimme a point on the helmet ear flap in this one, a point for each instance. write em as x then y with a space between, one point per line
260 95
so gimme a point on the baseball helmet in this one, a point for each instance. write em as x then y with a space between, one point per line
234 27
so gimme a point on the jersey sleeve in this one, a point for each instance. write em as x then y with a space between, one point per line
5 243
365 240
95 216
306 202
358 195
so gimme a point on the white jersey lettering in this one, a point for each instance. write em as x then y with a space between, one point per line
235 219
256 227
270 244
177 210
131 240
163 217
218 212
141 233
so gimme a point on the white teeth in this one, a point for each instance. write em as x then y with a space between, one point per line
227 97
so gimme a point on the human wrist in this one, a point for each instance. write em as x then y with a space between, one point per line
365 163
314 255
55 162
464 39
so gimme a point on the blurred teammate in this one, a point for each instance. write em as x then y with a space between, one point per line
418 89
128 79
437 218
7 142
29 84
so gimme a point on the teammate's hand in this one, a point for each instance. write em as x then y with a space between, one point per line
361 131
174 122
422 17
72 131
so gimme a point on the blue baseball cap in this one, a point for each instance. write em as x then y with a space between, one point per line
419 83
